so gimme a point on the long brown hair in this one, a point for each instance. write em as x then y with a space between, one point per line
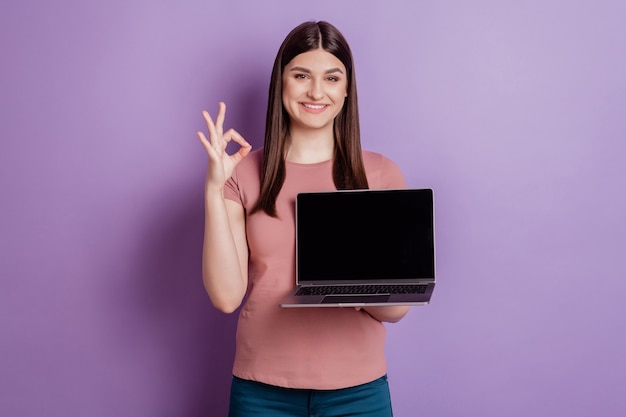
348 169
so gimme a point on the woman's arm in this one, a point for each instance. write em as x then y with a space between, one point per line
225 248
224 253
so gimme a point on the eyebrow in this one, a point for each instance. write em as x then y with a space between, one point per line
308 71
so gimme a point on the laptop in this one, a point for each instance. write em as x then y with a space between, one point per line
364 248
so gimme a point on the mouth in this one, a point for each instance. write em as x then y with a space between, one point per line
314 107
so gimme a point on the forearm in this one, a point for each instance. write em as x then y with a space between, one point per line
391 314
223 269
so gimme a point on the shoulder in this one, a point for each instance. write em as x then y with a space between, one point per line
252 162
243 186
249 168
375 159
381 171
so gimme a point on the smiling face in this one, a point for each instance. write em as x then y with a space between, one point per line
315 85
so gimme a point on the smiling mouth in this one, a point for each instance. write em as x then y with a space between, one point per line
314 106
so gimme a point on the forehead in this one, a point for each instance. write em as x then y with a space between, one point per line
316 60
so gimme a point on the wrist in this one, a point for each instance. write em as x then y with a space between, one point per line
211 189
213 194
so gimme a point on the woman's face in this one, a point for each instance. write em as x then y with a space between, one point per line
315 85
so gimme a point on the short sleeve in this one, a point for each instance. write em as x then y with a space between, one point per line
231 188
244 184
382 172
391 175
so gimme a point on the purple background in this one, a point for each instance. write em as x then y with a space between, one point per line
513 111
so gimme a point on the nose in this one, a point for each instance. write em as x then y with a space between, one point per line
316 91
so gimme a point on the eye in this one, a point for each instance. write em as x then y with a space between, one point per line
300 76
333 79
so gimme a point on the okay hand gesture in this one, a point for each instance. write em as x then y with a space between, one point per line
221 165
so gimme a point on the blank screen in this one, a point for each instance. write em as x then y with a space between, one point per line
365 234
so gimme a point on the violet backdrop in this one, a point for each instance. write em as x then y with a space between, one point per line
514 112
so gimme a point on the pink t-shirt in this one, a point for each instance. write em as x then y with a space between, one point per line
318 348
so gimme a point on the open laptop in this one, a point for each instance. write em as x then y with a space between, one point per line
364 247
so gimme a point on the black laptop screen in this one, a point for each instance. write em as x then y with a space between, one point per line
373 235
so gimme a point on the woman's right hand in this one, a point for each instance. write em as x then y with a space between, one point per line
221 165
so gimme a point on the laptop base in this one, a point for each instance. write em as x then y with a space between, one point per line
358 300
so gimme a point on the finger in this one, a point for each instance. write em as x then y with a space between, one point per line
209 122
245 149
235 136
207 145
202 138
241 153
221 115
215 138
205 142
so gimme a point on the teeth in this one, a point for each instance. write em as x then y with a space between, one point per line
314 106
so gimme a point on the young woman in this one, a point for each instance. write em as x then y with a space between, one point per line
307 361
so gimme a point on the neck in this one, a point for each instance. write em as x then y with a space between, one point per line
310 146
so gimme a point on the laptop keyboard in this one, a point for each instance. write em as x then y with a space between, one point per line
362 289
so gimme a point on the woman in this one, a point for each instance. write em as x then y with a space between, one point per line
309 361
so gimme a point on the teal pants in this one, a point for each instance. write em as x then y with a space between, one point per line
249 398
